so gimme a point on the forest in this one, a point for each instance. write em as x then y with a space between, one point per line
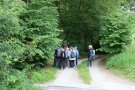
30 31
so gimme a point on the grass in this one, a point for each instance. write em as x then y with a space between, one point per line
44 75
84 72
123 63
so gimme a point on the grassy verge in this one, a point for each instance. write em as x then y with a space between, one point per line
124 63
44 75
84 72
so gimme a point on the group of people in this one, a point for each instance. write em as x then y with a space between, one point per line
66 56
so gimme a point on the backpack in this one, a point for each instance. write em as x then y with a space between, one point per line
72 54
93 53
58 52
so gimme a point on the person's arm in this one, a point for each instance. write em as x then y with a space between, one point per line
69 54
78 53
91 52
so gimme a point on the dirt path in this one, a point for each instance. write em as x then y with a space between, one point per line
102 79
67 79
106 80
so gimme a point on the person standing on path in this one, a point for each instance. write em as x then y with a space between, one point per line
90 56
64 57
77 55
58 64
72 57
67 56
55 58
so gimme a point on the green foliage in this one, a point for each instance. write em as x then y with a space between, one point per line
84 72
13 79
79 19
28 35
116 31
44 75
40 31
124 62
82 20
11 46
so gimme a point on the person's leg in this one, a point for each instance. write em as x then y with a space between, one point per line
70 63
74 62
88 63
60 63
64 64
57 63
54 63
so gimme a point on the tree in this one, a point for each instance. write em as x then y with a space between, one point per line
41 31
116 31
82 20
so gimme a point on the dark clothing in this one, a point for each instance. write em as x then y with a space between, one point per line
55 62
76 60
89 62
62 64
90 57
66 61
58 62
71 63
62 60
90 53
55 58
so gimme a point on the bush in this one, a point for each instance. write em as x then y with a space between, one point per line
116 31
14 80
44 75
124 62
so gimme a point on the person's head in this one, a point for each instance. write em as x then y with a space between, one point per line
90 47
71 48
75 47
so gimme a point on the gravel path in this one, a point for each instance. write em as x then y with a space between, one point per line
106 80
67 79
102 79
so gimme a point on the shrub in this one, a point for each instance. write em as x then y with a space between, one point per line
116 31
124 62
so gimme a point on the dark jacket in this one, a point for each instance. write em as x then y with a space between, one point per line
90 53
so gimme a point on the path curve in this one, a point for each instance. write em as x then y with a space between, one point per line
106 80
102 79
67 79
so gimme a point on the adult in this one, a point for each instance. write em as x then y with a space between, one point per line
63 57
58 63
72 57
67 56
90 56
55 58
77 55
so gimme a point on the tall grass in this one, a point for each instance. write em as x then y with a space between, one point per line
44 75
124 63
84 72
